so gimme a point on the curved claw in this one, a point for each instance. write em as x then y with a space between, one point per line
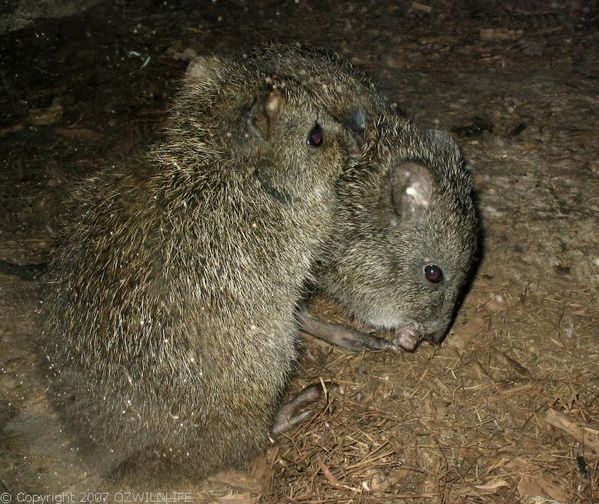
292 414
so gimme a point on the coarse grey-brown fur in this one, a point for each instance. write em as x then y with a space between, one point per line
407 203
170 328
413 209
334 83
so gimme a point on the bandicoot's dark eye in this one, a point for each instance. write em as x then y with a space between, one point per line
433 273
316 136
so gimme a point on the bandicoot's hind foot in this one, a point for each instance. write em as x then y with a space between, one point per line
342 336
292 412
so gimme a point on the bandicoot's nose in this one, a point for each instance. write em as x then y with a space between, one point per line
436 337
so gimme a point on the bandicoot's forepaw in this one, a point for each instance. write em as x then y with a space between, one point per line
342 336
407 338
370 341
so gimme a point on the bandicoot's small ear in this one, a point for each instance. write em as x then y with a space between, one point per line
411 188
440 139
266 110
355 120
273 105
203 68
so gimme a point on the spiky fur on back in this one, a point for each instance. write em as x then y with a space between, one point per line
171 296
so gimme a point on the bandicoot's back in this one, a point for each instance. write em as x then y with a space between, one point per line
170 314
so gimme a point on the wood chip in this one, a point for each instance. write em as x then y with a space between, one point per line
588 436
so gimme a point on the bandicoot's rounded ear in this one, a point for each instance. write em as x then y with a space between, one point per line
273 105
440 139
266 109
411 188
204 68
356 118
355 121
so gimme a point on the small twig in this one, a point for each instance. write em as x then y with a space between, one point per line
334 481
588 436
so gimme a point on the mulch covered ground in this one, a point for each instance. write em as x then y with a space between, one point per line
507 409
